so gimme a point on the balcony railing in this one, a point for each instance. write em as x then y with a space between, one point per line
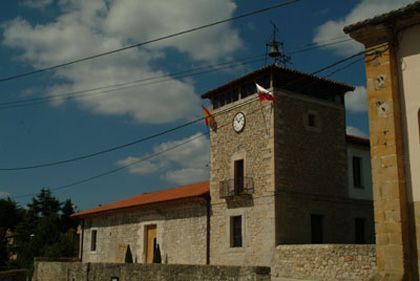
231 188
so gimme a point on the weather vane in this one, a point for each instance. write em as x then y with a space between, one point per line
274 49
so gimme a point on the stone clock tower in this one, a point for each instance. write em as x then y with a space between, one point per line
279 170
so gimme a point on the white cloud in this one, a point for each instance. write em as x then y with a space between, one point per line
357 100
333 29
37 4
353 131
89 27
182 165
4 194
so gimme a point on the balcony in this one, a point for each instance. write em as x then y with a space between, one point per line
231 188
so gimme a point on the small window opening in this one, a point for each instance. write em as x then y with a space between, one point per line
93 240
357 172
236 231
317 229
359 230
239 176
312 120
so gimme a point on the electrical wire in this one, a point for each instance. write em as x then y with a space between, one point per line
255 12
97 153
189 140
148 157
154 79
132 84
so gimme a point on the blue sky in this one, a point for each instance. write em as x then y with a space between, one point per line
37 34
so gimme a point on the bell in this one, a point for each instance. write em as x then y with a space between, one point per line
274 50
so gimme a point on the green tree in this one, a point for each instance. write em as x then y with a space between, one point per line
47 230
10 216
128 255
157 258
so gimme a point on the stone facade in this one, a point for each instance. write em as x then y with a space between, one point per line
296 170
311 172
325 262
77 271
255 145
181 233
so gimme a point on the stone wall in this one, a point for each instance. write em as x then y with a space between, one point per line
77 271
294 218
311 173
325 262
14 275
181 233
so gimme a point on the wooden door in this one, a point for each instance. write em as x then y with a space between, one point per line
150 242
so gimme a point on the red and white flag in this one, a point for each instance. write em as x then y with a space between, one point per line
264 94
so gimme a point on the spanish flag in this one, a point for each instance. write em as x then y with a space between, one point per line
209 119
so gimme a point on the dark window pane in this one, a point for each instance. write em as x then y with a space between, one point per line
228 97
215 102
357 172
264 81
235 95
93 240
239 176
222 100
248 89
236 227
359 229
317 229
311 120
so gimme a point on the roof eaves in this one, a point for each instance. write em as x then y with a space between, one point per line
392 15
257 72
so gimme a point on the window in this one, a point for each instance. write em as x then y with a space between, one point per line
312 120
215 102
247 90
317 229
222 100
236 231
357 172
93 235
238 180
359 230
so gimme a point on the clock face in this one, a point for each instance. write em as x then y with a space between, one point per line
239 122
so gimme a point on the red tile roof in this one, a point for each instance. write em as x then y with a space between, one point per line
177 193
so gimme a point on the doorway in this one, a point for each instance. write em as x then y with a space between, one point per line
150 242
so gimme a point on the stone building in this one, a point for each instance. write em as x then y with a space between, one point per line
281 173
392 61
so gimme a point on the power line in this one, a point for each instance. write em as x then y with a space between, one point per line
319 46
153 80
343 67
117 169
186 142
281 5
131 84
82 157
90 155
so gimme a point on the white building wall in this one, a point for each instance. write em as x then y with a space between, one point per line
409 59
364 193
